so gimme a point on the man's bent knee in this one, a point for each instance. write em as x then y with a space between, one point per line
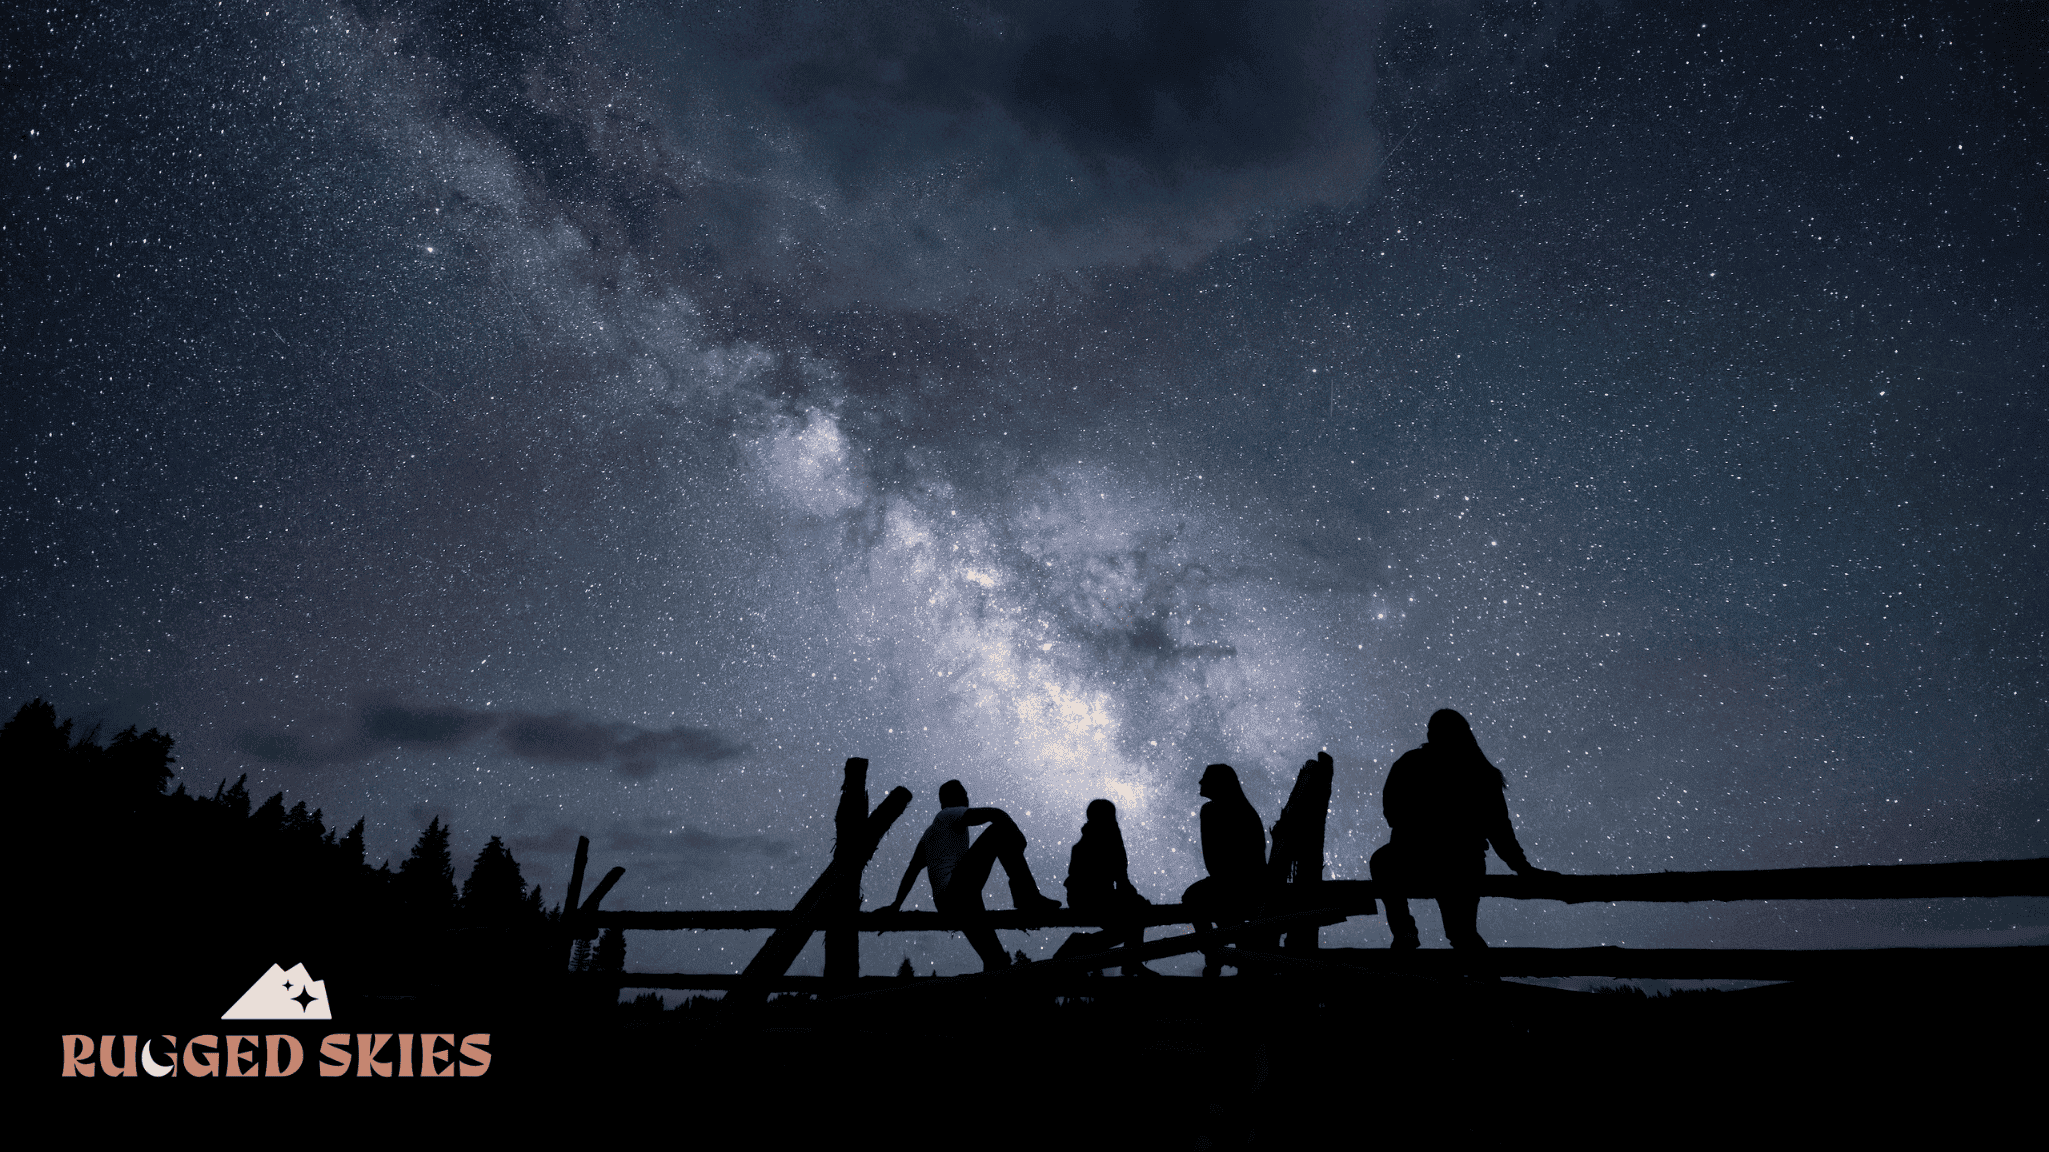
1004 834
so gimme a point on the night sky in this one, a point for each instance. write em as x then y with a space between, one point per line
606 418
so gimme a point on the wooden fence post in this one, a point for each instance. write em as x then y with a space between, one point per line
569 906
583 921
843 944
784 943
1297 860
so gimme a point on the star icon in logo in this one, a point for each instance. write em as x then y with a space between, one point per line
304 998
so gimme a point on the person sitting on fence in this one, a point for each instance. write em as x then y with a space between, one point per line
958 869
1445 803
1099 885
1234 851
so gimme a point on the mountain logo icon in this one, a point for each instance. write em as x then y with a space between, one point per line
283 995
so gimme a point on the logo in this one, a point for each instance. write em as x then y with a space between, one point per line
282 995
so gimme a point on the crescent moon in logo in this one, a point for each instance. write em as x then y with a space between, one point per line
150 1065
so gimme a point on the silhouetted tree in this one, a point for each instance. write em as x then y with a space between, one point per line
303 829
349 850
580 957
426 880
610 955
34 736
269 817
236 799
495 893
123 778
136 767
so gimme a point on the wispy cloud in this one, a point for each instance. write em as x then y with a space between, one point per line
562 737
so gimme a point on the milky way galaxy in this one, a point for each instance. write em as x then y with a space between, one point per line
605 418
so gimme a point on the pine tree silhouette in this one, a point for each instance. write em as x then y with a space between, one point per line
34 736
136 767
350 848
610 955
426 880
236 799
269 817
495 894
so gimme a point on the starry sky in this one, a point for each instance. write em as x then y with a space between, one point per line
605 418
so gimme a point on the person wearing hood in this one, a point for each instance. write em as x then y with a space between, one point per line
1445 802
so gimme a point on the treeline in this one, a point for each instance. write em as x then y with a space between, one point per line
124 861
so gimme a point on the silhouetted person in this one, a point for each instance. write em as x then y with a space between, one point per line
1099 880
1445 803
1234 851
958 870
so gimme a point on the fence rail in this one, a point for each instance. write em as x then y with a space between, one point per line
1357 897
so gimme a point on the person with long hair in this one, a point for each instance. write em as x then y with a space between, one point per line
1099 881
1446 802
1234 851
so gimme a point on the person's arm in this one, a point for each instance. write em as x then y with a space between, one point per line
1394 795
910 878
1501 834
983 816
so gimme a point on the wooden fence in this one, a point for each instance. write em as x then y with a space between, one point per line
1301 901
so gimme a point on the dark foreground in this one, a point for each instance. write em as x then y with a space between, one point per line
1167 1063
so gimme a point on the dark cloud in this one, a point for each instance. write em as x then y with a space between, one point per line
1171 85
558 738
695 843
551 738
670 854
908 154
391 723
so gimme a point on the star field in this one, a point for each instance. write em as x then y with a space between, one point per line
605 418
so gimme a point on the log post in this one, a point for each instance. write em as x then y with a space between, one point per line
588 913
602 994
1297 861
843 944
784 943
569 906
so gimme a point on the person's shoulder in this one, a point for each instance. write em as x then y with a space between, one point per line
1414 758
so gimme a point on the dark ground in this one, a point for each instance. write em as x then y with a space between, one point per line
1169 1063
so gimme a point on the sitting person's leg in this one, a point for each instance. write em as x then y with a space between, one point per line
1388 879
1458 900
963 897
1133 934
1207 905
1003 841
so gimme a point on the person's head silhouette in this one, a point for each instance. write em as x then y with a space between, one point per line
1102 812
1449 728
1452 738
953 794
1220 782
